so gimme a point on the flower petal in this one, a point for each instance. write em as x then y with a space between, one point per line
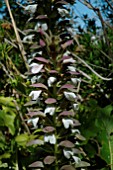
67 153
70 96
50 110
51 80
50 138
76 159
36 68
67 123
31 8
35 94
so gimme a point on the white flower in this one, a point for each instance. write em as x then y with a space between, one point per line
67 153
67 123
71 31
36 68
31 8
50 110
28 38
69 60
35 94
34 121
35 53
75 106
71 68
34 79
62 12
50 138
70 96
66 53
75 80
94 40
76 159
75 131
50 81
43 26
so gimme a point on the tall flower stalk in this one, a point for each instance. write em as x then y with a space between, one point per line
54 88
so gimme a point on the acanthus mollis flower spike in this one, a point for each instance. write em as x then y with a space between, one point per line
35 94
36 68
50 138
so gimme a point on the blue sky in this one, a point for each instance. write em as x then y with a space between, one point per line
79 10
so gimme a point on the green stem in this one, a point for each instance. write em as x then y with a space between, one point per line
56 151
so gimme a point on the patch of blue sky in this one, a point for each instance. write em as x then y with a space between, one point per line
81 9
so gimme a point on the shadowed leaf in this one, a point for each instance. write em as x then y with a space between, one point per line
36 164
67 167
82 164
49 159
35 142
67 144
66 113
53 71
41 17
38 113
66 44
76 122
62 2
30 103
48 129
80 137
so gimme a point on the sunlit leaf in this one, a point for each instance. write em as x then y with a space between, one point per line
22 139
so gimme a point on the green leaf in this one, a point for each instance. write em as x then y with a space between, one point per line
7 101
22 139
5 156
